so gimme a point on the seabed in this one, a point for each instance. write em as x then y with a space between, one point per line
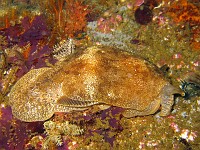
165 32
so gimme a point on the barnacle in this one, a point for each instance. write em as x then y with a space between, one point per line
65 128
64 49
51 139
54 130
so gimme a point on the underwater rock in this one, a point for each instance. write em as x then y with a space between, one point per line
94 76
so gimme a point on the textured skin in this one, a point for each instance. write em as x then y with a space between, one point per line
96 75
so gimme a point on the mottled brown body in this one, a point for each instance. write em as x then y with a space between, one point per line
94 76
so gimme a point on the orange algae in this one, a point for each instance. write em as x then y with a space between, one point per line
76 20
8 17
67 18
26 51
184 12
57 11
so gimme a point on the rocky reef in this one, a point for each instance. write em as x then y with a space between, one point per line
33 32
